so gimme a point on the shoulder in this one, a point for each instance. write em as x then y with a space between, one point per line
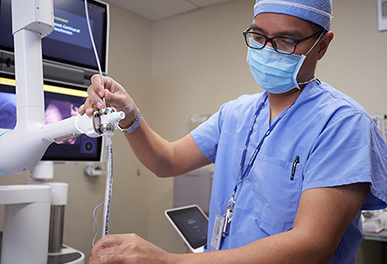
243 104
246 99
328 94
326 101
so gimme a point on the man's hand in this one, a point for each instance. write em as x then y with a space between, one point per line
127 248
114 94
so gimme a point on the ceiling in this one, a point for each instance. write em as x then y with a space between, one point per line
160 9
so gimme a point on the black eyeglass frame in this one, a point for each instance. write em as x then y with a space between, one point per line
271 40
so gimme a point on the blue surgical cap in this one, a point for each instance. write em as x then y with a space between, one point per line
316 11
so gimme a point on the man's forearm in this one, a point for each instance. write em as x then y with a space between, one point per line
289 247
162 157
152 150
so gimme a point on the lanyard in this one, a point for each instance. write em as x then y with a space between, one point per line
258 148
243 173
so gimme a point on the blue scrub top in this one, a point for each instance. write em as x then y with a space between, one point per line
336 141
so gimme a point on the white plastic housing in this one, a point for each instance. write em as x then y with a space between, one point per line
36 15
59 191
23 148
44 170
26 223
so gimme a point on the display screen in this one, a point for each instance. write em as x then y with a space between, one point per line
60 103
192 224
70 42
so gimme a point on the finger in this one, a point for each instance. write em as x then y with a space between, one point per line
93 100
108 241
96 87
97 83
95 90
96 252
89 111
87 108
114 99
81 110
110 84
107 94
112 244
113 259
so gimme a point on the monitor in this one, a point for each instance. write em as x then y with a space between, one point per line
191 224
60 103
69 44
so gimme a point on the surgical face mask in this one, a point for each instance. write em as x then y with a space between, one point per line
275 72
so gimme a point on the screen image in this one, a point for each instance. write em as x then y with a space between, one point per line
70 42
60 103
192 224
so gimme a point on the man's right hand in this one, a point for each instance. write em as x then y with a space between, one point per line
115 95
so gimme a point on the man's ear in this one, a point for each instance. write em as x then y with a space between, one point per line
324 43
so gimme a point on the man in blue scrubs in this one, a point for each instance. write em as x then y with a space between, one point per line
293 166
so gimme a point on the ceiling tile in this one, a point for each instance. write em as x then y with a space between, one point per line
203 3
156 9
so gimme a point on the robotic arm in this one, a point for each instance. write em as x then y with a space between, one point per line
23 147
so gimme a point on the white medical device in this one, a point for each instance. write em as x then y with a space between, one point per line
24 146
27 210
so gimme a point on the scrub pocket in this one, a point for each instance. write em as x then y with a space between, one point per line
276 192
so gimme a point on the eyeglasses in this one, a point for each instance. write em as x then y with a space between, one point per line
283 45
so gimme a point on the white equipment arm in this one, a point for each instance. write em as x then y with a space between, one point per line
23 147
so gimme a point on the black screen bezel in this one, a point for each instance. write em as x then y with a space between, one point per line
70 58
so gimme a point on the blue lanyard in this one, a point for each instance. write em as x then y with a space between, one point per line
244 173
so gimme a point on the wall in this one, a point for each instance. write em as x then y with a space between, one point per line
356 60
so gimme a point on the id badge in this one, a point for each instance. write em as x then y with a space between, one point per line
217 232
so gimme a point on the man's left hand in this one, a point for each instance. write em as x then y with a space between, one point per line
127 248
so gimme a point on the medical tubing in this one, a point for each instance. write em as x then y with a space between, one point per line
109 185
96 222
94 47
